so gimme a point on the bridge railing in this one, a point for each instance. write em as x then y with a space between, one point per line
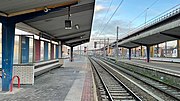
163 16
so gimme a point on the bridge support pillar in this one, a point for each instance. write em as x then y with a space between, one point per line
46 50
8 34
148 53
129 53
24 49
71 54
178 48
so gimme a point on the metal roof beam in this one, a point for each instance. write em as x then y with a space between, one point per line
63 12
31 15
171 35
70 34
139 43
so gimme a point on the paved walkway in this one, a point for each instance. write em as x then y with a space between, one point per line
71 83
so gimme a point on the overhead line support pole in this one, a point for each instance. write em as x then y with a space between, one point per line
117 44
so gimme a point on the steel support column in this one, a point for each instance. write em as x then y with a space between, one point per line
25 49
8 34
71 57
148 53
178 48
45 50
129 53
141 51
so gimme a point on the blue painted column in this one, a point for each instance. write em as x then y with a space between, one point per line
57 52
129 53
25 49
45 50
8 33
148 53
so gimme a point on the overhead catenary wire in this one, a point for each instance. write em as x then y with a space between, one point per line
105 15
144 11
111 16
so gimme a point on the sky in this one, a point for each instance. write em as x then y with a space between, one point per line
126 16
129 15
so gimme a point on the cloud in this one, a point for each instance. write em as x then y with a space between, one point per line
99 8
111 28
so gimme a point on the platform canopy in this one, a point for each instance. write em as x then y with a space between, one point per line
51 23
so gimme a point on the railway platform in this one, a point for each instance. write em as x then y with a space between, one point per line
161 65
71 82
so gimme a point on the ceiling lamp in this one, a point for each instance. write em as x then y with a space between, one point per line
46 9
77 26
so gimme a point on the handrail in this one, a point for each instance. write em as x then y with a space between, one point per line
171 12
11 86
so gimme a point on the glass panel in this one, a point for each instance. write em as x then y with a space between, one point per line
16 50
30 50
54 51
161 49
49 51
42 51
171 49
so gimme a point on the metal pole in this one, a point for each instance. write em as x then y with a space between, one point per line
117 44
108 48
104 54
146 16
100 47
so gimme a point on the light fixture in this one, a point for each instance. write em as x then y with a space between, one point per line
77 26
68 23
46 9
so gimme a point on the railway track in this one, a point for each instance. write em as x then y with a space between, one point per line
111 88
167 89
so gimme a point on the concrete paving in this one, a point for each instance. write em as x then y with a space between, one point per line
61 84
